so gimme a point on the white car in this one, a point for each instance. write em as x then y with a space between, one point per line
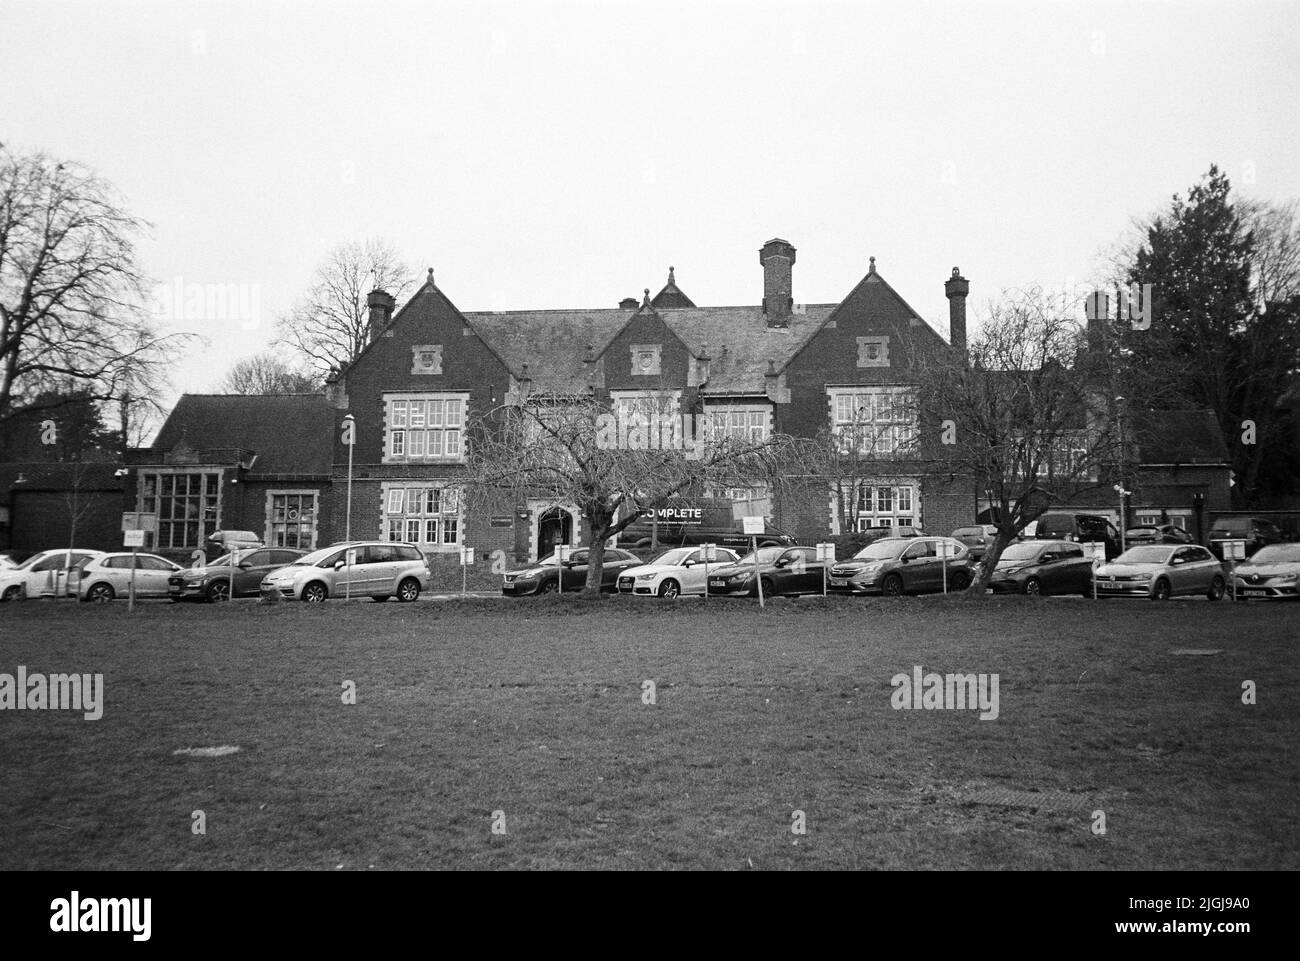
376 569
109 576
675 572
47 574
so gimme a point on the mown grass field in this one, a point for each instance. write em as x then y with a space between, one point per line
534 708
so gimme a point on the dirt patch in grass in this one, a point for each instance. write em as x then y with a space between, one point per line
536 708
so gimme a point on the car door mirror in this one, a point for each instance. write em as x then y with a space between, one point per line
688 563
340 564
1047 558
245 566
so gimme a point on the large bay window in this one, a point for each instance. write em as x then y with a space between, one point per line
187 504
425 427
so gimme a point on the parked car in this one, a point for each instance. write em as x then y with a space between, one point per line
248 568
1272 571
681 570
109 575
1255 531
375 569
978 539
1162 571
49 572
1084 528
1157 534
898 565
544 577
7 562
1042 567
782 570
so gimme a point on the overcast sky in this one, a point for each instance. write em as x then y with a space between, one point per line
564 154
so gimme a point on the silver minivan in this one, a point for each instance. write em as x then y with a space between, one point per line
375 569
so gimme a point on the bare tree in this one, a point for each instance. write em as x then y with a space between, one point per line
1276 254
328 328
1021 414
71 296
611 465
266 373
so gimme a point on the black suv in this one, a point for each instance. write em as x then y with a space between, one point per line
1255 531
1081 528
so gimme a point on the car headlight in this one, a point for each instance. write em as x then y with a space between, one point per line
646 577
1287 578
1142 577
871 569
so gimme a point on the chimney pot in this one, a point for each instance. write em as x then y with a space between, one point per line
380 304
957 288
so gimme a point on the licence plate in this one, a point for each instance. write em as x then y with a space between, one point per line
839 582
716 582
1107 585
1249 593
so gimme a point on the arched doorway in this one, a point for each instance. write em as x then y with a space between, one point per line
554 526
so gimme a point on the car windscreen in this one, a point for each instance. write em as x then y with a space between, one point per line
968 532
307 560
675 556
1146 555
1021 552
882 550
33 561
766 555
1277 554
1052 525
1232 526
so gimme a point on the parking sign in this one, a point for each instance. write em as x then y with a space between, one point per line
1234 550
753 525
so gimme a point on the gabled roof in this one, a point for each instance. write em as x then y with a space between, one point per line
289 433
739 343
671 297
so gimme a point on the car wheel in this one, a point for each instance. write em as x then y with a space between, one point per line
959 582
219 591
14 593
670 588
1033 586
408 590
1161 591
892 585
1217 587
315 592
769 589
546 587
380 598
100 593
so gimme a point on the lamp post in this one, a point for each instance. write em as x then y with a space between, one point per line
349 438
1119 488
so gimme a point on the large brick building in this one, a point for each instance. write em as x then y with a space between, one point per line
277 465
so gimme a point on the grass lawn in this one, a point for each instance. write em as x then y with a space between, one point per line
534 708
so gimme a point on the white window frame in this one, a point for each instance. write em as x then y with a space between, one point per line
410 505
878 416
414 428
757 420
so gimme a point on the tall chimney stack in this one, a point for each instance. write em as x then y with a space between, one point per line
957 287
777 258
381 305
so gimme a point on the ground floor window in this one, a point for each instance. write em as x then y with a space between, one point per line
871 504
291 519
422 514
187 505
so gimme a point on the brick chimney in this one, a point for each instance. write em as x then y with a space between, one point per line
777 258
629 303
957 287
381 305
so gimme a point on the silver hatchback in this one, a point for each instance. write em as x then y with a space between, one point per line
375 569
